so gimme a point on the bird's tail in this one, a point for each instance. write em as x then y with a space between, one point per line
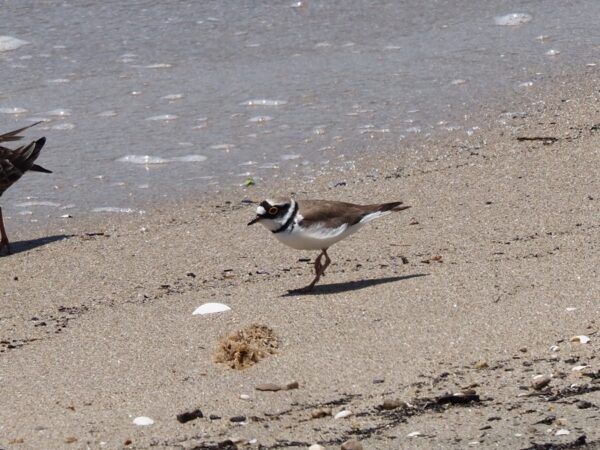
393 206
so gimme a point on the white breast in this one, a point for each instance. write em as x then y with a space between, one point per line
315 238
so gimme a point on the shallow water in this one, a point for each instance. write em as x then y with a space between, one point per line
149 99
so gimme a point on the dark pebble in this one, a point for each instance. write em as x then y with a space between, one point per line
584 404
189 416
237 419
214 417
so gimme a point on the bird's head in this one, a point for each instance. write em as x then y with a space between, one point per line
273 214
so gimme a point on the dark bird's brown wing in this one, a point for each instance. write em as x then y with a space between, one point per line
14 163
315 212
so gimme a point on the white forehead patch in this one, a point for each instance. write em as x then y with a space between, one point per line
260 211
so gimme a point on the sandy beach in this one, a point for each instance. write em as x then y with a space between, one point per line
458 323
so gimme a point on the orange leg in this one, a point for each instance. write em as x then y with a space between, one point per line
319 269
3 237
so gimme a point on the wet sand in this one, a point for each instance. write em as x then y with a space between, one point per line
467 292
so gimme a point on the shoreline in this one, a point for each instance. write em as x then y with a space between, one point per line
98 329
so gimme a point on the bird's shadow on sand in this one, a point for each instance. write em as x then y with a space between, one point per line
30 244
336 288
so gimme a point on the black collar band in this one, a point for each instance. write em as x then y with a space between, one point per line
289 221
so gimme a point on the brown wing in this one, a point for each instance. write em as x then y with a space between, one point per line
338 213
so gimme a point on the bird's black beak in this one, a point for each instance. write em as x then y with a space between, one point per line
253 221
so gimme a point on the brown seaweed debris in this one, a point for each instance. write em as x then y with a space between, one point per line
244 348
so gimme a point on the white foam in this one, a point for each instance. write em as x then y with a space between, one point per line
12 110
513 19
36 203
290 157
113 209
8 43
190 158
63 126
264 102
163 117
143 159
109 113
553 52
60 112
59 80
158 66
260 119
225 147
172 97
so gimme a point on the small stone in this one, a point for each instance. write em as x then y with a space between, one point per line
523 349
352 444
562 432
271 387
554 348
584 404
320 412
316 447
378 381
343 414
481 365
579 368
244 396
292 385
214 417
413 434
188 416
70 439
540 382
237 419
391 404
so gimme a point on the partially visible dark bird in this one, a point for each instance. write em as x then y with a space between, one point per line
13 164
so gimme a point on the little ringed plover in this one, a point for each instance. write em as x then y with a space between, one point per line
317 224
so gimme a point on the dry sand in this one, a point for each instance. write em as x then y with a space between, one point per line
96 324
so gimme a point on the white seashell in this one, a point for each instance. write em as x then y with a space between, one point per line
210 308
581 338
579 368
343 414
562 432
554 348
316 447
413 434
243 396
143 421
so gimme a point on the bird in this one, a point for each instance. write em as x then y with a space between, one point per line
317 224
13 164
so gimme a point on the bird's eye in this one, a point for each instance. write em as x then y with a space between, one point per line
273 210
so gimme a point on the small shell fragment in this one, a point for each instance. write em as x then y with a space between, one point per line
583 339
562 432
343 414
143 421
210 308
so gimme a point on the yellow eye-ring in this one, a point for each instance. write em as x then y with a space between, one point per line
273 210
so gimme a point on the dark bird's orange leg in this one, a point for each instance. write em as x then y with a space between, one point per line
3 236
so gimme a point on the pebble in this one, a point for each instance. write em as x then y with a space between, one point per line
481 365
540 382
584 404
352 444
320 412
189 416
244 397
316 447
391 404
272 387
292 385
343 414
562 432
414 434
237 419
214 417
579 368
143 421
